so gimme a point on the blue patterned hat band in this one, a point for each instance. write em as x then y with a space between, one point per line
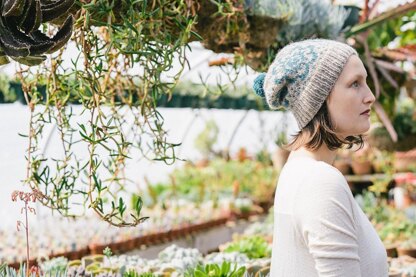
258 85
302 75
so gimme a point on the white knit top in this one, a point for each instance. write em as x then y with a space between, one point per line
319 229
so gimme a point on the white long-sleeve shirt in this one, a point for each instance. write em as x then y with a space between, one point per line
319 229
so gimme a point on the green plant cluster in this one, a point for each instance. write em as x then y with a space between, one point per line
6 271
398 232
205 140
133 273
404 121
254 247
113 38
398 30
392 225
7 93
215 270
254 179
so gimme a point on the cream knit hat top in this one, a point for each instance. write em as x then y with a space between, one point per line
302 75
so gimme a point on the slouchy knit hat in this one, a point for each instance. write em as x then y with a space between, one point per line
302 75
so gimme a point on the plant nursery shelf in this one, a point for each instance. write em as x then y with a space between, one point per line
374 177
358 183
200 235
244 102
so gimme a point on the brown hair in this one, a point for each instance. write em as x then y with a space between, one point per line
320 130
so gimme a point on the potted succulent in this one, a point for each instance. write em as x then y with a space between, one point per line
405 161
404 123
242 154
383 161
407 194
407 248
280 155
205 142
241 207
361 161
343 161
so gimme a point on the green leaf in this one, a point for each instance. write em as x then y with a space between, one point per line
121 206
199 273
138 206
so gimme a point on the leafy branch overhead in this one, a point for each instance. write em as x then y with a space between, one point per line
386 77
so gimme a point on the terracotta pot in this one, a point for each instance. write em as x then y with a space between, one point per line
202 163
72 255
138 241
175 234
378 167
362 168
391 251
406 252
78 253
186 229
343 166
130 244
165 236
96 248
265 205
116 247
405 161
142 240
280 157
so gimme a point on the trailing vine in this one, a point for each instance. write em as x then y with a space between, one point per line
123 65
102 78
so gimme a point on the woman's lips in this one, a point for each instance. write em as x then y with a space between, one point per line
366 112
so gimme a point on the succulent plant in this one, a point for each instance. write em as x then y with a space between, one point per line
223 270
20 38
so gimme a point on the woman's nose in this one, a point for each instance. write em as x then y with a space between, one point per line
369 98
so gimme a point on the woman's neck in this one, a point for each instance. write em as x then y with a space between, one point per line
321 154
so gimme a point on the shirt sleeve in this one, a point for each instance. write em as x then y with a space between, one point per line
327 226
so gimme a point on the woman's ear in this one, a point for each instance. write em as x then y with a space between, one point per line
327 100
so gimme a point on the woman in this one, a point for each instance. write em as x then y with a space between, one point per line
319 228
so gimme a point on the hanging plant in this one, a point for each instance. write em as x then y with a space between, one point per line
20 38
125 48
123 51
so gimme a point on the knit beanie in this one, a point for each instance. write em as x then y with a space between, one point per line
302 75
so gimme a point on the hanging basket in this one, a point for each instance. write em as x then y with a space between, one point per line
380 139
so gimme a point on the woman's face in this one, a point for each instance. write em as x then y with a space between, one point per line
350 99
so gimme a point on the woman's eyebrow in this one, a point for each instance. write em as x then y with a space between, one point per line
359 75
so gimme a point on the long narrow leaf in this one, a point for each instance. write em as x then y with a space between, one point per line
387 76
385 120
388 65
371 68
382 18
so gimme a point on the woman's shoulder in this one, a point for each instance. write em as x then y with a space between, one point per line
314 170
317 175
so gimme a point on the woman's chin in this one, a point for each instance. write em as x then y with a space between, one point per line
363 131
358 132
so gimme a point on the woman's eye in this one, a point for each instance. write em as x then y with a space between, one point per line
355 84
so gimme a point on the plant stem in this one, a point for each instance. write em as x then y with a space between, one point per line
27 241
